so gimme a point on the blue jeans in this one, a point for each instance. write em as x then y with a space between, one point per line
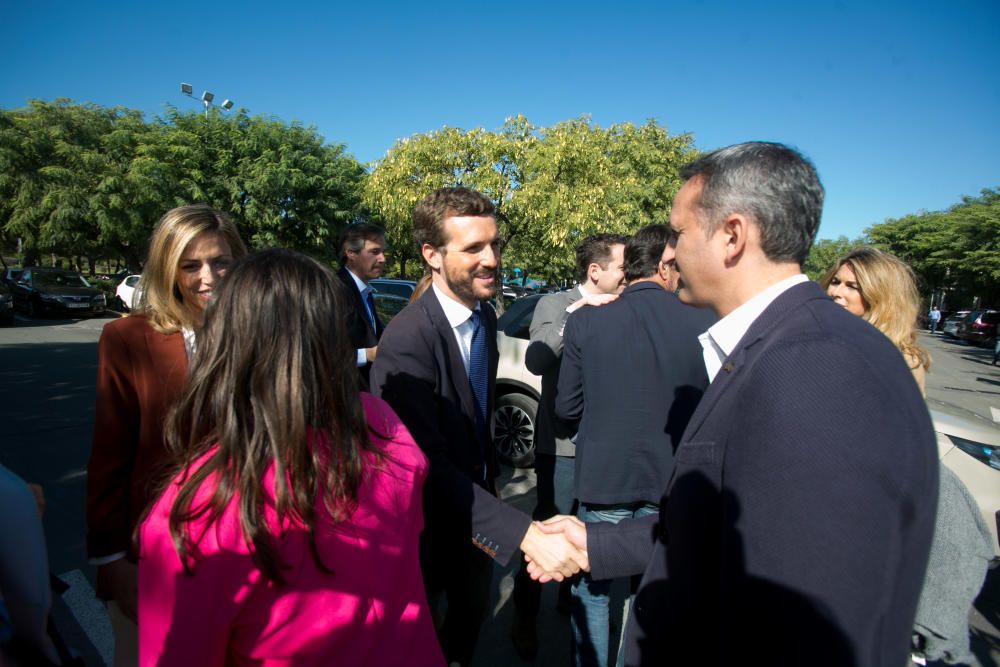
589 616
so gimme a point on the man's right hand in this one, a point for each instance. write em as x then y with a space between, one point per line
370 354
592 300
123 578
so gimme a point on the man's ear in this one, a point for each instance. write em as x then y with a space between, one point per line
734 233
431 255
592 270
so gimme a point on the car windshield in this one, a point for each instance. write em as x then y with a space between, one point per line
59 279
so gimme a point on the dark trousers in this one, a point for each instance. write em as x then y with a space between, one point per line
466 591
554 489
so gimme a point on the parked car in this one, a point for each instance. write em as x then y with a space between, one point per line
970 447
518 390
388 305
39 291
979 327
403 288
949 326
6 306
127 291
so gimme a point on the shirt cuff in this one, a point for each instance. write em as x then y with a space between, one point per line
362 357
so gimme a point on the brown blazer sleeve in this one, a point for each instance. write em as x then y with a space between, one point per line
140 374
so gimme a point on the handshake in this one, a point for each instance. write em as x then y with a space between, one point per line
556 548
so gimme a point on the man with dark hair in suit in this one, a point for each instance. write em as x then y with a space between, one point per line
799 517
436 367
600 275
631 376
362 258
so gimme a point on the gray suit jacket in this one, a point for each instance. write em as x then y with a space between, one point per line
552 436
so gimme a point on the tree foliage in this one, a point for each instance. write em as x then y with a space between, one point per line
551 186
825 253
82 179
956 251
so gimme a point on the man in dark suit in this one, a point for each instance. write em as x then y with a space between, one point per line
631 377
436 367
799 517
362 258
600 275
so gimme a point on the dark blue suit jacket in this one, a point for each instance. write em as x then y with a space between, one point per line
797 525
631 376
359 329
419 371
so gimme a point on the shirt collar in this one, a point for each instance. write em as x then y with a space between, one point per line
455 312
728 331
362 285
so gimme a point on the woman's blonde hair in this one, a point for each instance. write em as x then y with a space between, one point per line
159 299
889 293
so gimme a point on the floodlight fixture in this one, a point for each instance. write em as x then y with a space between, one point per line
227 104
207 97
186 88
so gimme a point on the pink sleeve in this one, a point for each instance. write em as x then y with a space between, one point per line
186 619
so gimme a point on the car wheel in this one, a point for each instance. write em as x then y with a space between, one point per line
514 429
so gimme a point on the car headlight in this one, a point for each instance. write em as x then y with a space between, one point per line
100 298
52 298
987 454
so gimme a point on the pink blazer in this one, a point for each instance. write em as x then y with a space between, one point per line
371 611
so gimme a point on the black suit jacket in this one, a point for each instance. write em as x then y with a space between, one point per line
359 328
631 375
419 371
798 522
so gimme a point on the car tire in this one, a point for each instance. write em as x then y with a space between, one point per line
514 429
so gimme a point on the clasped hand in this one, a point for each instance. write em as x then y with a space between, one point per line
556 549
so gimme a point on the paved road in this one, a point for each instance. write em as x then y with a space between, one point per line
47 373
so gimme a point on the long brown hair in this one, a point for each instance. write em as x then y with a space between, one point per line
272 383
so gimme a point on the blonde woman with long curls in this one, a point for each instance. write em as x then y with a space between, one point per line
883 290
142 363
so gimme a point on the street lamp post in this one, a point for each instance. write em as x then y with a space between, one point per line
206 98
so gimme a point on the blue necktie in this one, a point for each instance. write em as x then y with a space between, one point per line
370 301
478 371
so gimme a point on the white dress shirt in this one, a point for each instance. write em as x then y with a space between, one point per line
721 338
460 319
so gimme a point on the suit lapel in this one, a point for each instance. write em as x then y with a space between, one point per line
455 361
359 304
761 328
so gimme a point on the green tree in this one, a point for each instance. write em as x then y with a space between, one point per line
551 186
824 255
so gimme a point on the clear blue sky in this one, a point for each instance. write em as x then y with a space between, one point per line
897 103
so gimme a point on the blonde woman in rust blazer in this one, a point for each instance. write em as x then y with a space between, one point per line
142 364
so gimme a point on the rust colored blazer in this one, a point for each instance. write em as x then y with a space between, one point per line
140 374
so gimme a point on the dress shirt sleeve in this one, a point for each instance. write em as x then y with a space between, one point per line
114 445
362 358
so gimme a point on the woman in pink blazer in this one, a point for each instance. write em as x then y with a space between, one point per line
289 534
